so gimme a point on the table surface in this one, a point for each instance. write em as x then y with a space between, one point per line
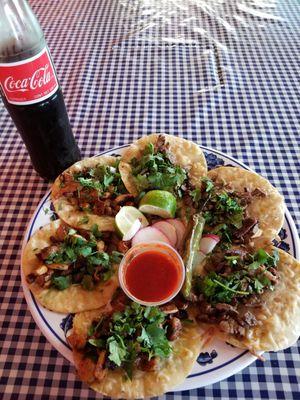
222 73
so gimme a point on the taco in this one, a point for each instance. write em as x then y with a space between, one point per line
164 162
132 351
90 192
241 207
251 298
69 271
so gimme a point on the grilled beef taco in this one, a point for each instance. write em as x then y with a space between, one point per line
130 351
164 162
241 206
252 298
70 271
90 192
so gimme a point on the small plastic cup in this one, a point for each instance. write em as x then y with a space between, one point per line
145 247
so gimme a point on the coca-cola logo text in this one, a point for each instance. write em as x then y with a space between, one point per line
39 79
28 81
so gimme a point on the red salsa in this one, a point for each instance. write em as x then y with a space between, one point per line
152 276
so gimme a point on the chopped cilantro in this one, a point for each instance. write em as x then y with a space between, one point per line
222 212
117 350
101 178
116 257
83 220
107 275
209 186
241 282
224 231
227 203
155 171
96 232
100 258
84 260
156 340
135 330
261 257
258 286
60 282
195 195
85 251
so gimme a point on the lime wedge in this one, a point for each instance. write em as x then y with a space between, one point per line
128 221
158 202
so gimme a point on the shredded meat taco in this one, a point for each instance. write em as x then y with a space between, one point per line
163 162
241 206
71 271
251 297
90 192
129 351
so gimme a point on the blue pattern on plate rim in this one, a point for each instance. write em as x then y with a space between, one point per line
282 234
67 323
206 358
213 161
115 155
53 216
281 244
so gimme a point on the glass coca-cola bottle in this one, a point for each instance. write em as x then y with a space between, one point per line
31 92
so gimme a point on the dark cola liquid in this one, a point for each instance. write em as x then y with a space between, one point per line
44 126
47 134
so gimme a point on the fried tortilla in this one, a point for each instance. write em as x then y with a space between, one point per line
72 299
267 207
169 373
279 316
181 152
269 321
86 203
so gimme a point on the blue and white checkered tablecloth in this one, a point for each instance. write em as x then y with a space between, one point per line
224 73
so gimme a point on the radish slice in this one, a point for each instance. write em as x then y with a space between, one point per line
180 230
168 230
208 243
149 234
212 236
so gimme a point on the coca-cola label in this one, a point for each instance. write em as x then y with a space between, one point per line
28 81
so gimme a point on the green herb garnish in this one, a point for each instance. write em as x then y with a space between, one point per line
96 232
85 260
155 171
241 281
101 178
222 212
136 330
83 220
209 186
60 282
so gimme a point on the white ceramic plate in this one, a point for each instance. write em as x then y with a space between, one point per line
216 362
